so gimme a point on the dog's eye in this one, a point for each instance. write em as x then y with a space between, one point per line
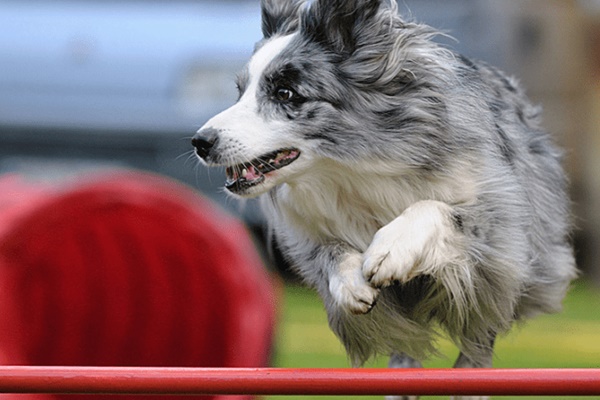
284 94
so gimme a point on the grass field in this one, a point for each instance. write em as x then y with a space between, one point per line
569 339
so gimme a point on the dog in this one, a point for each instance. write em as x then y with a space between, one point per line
412 187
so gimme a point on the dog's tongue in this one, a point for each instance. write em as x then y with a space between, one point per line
254 171
250 173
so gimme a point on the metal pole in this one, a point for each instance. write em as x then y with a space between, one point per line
265 381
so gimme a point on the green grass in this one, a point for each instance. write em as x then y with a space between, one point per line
570 339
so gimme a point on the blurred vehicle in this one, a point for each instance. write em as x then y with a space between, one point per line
86 85
92 84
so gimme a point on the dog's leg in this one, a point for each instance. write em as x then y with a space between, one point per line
464 362
334 269
403 361
425 239
348 286
484 359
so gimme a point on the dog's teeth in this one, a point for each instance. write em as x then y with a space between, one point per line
244 173
271 161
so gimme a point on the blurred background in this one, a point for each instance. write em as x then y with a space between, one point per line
89 86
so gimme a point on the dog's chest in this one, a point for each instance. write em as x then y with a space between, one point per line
352 207
327 212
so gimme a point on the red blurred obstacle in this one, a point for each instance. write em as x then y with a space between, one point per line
129 270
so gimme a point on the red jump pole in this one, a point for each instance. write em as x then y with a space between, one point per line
265 381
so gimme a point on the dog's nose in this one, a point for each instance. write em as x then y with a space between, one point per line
204 140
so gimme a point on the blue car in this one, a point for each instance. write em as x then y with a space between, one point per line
92 84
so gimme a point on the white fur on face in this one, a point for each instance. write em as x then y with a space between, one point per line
244 133
261 60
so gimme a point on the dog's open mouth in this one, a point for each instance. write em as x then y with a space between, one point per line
243 176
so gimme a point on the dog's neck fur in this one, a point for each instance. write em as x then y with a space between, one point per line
335 203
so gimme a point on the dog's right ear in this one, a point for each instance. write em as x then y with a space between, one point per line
279 16
338 24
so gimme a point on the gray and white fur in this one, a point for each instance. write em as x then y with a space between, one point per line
412 187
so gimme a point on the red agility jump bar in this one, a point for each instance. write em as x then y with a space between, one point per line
265 381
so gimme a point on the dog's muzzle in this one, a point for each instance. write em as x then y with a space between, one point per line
204 141
247 174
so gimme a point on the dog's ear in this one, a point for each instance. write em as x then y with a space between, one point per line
338 23
279 16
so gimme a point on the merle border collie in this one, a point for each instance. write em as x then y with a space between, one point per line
414 188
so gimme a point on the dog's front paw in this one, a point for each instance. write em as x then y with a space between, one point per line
415 243
350 290
391 257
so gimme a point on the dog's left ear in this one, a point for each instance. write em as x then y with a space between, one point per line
337 24
279 16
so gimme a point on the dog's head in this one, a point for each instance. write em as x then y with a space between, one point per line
324 82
